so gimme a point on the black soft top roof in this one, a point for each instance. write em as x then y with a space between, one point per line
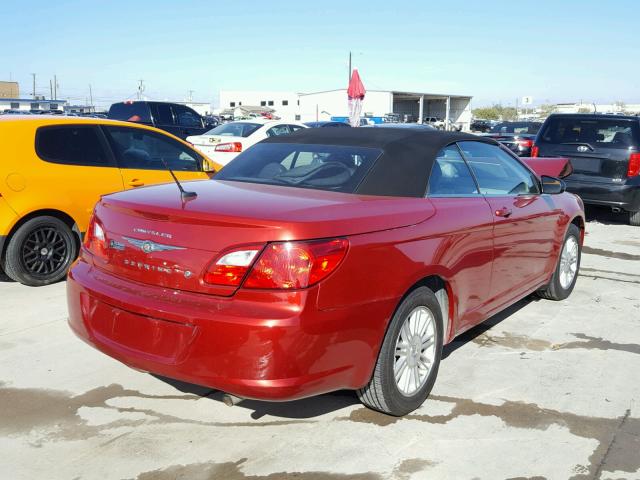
407 155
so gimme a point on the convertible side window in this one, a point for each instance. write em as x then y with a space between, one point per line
450 175
497 172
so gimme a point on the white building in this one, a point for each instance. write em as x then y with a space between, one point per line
584 107
308 107
284 103
29 104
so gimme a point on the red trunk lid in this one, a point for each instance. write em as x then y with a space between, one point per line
154 237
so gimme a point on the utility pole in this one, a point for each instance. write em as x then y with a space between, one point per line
90 97
34 86
55 87
50 89
140 88
190 96
349 66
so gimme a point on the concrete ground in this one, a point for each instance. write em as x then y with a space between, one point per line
545 390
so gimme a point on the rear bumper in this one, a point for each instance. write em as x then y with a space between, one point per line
626 197
262 345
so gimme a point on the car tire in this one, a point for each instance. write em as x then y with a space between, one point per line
392 396
634 219
567 268
40 252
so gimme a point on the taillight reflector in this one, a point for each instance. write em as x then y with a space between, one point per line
231 267
229 147
290 265
534 151
95 240
526 143
633 170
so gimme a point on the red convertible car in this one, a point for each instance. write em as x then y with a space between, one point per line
328 259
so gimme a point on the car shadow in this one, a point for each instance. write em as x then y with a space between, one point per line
488 324
605 216
294 410
330 402
4 278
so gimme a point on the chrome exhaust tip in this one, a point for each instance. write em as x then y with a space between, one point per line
231 400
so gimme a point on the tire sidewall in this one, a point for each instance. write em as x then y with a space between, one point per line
14 266
563 293
397 402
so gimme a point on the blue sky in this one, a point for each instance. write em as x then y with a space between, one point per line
494 50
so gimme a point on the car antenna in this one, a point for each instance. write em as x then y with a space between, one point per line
184 194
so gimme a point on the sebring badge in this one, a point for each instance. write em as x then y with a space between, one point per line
147 246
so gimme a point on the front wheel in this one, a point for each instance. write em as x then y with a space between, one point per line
40 252
566 272
408 361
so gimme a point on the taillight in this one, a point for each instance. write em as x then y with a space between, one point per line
95 240
288 265
534 151
230 268
633 170
229 147
525 143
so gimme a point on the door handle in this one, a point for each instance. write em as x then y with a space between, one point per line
135 182
503 212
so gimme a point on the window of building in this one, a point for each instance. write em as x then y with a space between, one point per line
270 103
239 104
297 117
35 106
298 102
285 103
232 104
15 105
53 106
263 103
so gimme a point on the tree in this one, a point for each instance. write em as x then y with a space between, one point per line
495 112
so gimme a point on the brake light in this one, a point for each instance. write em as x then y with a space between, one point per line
231 267
633 170
95 240
287 265
229 147
525 143
534 151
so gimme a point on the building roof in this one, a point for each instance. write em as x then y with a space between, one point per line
396 92
30 100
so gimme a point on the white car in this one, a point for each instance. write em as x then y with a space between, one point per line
223 143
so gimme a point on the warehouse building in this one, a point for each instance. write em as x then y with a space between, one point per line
39 104
328 104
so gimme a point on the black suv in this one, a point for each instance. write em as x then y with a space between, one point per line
605 154
174 118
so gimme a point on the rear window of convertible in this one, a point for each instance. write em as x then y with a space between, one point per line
322 167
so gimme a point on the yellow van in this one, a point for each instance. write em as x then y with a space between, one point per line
53 169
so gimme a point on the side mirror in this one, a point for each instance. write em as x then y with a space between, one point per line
552 185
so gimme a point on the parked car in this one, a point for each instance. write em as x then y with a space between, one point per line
328 259
605 154
326 124
223 143
516 136
482 126
407 126
177 119
53 171
436 122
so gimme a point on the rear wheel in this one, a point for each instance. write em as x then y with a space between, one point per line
634 219
40 252
408 361
566 272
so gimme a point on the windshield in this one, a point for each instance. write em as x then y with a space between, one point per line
516 128
614 132
322 167
234 129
